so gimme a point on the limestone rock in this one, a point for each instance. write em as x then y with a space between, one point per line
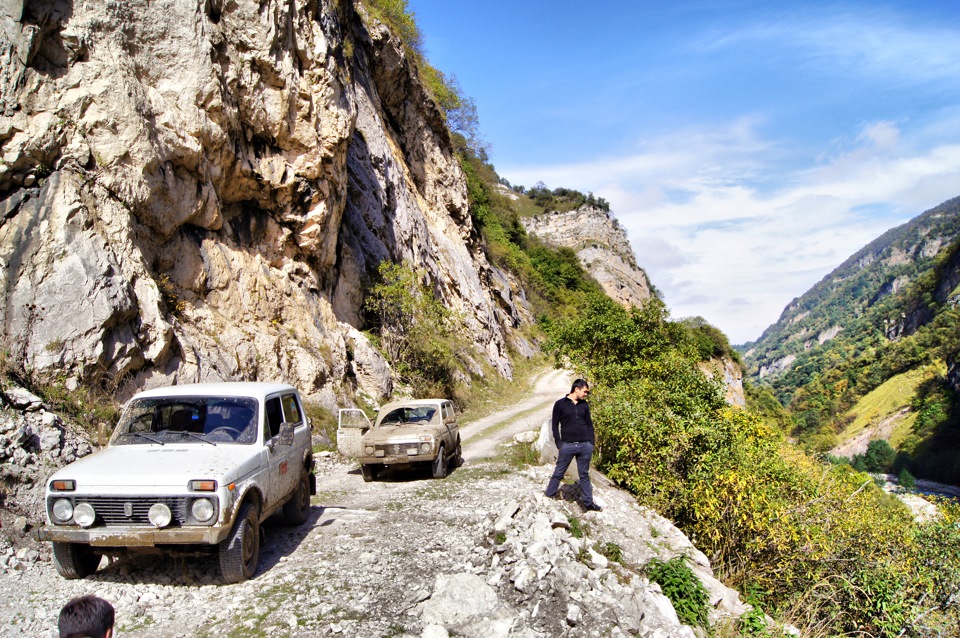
200 195
602 246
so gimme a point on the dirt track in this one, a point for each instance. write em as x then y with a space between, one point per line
368 554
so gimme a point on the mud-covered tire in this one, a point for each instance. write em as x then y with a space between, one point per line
369 472
75 560
439 465
240 551
457 460
296 510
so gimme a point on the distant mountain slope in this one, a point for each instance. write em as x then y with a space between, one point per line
873 351
885 266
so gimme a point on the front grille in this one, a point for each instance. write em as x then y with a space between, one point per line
132 510
397 449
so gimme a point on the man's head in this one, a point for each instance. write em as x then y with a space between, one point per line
579 390
87 616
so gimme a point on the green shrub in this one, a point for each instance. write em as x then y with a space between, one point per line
907 480
417 334
682 587
835 553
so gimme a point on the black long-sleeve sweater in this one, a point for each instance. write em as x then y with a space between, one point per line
572 422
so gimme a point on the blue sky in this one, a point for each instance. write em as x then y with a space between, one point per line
748 148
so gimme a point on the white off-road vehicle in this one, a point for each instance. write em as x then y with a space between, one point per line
415 432
188 467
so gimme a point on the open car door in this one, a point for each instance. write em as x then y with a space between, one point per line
352 424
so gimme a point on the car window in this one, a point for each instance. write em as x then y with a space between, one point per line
274 417
291 410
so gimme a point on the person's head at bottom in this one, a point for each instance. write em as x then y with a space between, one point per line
86 617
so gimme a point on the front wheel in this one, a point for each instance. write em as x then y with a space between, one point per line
240 551
369 472
439 466
457 456
75 560
296 510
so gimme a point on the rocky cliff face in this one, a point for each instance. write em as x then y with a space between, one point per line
200 191
602 246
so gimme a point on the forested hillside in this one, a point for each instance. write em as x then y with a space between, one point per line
883 328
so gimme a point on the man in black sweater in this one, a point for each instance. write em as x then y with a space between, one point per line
573 432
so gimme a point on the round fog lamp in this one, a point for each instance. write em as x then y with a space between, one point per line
84 515
159 515
62 510
202 510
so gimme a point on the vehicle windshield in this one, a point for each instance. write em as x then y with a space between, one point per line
211 420
407 414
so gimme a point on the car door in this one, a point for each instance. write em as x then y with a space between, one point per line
283 460
352 424
451 430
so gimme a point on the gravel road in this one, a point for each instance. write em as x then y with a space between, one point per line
366 557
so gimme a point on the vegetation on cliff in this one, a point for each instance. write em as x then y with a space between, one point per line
819 545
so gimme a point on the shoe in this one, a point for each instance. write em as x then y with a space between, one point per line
593 507
555 497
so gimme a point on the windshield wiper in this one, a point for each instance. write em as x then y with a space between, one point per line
194 435
147 437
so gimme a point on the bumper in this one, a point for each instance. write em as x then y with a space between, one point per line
397 460
133 536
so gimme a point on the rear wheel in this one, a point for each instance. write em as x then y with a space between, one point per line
439 466
369 472
240 552
75 560
296 511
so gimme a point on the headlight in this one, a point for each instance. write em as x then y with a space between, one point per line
368 450
84 515
425 448
159 515
62 510
202 510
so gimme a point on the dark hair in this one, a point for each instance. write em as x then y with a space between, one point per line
86 616
579 383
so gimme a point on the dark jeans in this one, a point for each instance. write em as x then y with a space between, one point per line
567 452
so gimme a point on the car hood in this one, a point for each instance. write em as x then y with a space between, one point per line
161 466
399 433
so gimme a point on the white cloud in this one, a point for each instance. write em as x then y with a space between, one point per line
725 240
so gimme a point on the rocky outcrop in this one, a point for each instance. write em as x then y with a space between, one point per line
34 442
602 246
730 374
201 191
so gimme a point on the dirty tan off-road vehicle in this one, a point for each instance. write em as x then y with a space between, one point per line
416 432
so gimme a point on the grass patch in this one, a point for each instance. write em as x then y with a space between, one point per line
495 393
611 551
521 455
324 423
577 528
892 396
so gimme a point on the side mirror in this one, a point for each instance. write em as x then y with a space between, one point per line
285 437
103 434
